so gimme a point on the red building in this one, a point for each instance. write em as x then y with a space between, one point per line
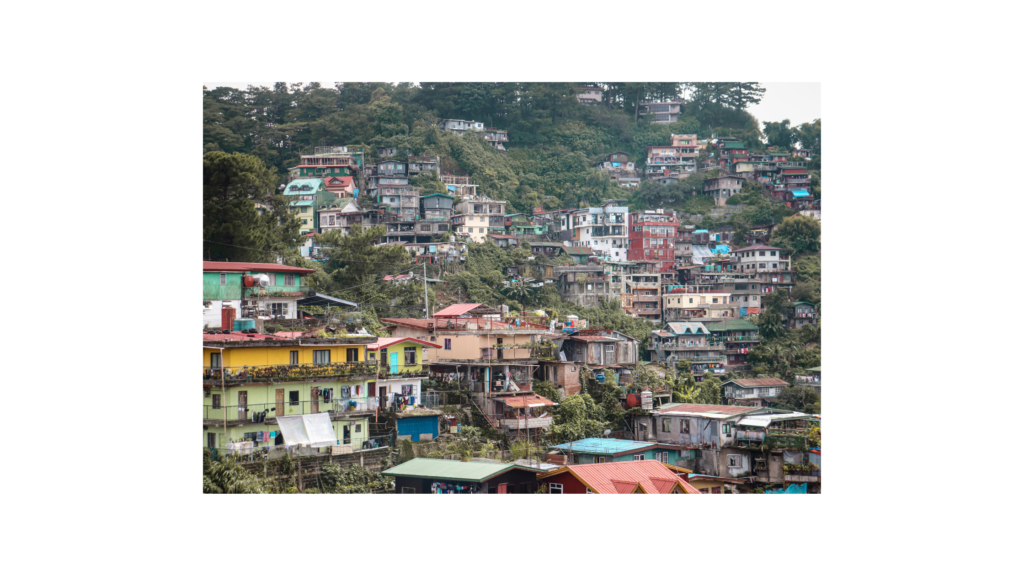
635 477
652 238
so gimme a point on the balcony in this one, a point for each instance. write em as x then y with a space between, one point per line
646 298
500 354
527 423
684 347
293 372
240 415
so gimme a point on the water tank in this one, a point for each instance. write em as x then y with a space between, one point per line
248 281
244 324
263 280
633 400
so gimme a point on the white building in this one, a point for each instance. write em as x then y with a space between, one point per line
605 230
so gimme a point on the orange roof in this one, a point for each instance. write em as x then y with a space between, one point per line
387 342
637 476
531 400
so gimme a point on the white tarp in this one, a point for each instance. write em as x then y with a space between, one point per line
308 430
700 252
759 421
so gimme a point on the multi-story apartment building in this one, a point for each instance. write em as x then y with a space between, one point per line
340 218
401 364
495 137
661 112
722 188
492 357
477 216
770 265
652 235
670 161
589 95
305 197
237 286
690 302
250 381
803 313
738 336
642 293
402 201
688 341
730 150
325 161
387 173
686 141
584 285
604 230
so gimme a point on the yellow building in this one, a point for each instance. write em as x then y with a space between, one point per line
402 363
251 379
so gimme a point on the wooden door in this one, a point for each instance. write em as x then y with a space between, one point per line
243 404
501 355
279 402
314 400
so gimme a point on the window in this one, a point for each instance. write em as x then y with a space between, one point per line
223 279
554 488
761 253
359 428
279 308
447 343
216 400
293 398
600 460
352 355
703 490
293 357
304 209
321 356
410 355
684 426
289 279
666 424
638 456
773 252
734 461
273 279
589 491
576 459
716 490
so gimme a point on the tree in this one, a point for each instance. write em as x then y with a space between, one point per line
578 417
802 234
808 135
779 134
353 480
233 227
799 398
227 476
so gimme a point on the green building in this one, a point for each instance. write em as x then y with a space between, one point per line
223 285
306 195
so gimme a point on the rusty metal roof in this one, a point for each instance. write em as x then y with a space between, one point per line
252 267
758 382
711 410
652 476
531 400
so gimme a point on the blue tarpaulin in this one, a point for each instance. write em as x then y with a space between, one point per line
453 188
793 489
800 194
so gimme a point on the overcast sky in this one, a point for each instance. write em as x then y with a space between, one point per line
798 101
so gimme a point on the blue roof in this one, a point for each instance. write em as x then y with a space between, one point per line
800 193
301 203
700 231
603 446
294 185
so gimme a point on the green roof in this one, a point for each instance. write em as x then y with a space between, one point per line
438 194
730 324
802 302
733 145
302 203
292 190
434 468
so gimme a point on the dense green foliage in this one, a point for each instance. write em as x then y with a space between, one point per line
801 234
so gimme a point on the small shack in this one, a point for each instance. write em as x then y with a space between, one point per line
419 425
434 476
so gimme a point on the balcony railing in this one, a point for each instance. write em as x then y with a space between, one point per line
292 372
684 347
527 423
245 412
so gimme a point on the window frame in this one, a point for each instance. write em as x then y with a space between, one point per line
551 488
293 357
318 356
223 279
639 457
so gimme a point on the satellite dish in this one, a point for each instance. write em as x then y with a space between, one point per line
607 432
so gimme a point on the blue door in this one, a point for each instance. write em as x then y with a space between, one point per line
394 362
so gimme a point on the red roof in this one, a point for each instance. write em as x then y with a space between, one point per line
528 400
701 408
341 181
644 476
251 267
456 310
593 338
386 342
238 336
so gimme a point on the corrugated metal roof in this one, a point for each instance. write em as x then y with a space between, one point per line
455 310
576 250
623 477
603 446
758 382
706 410
684 328
531 400
294 187
386 342
731 324
433 468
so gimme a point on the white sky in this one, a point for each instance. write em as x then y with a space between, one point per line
798 101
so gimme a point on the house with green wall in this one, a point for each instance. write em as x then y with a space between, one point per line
599 450
305 196
224 285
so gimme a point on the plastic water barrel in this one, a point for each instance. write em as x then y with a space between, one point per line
242 324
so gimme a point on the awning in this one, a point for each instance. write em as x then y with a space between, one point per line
754 421
532 401
309 430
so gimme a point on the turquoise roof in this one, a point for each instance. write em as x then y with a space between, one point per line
315 183
800 194
301 203
603 446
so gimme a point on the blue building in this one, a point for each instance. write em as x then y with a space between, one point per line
599 450
418 425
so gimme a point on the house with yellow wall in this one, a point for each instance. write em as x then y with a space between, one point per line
401 364
251 379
